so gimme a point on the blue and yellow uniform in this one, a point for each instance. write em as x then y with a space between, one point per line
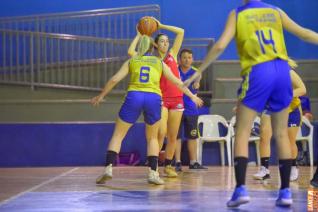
144 93
295 113
305 104
261 48
189 122
145 73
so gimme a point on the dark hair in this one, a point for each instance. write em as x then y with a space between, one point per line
158 36
185 51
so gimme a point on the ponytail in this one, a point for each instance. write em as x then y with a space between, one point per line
145 45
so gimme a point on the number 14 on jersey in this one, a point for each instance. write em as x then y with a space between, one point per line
264 40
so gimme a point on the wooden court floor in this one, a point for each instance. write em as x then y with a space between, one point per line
74 189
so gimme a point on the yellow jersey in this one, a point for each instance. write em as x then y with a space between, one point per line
259 34
145 73
294 104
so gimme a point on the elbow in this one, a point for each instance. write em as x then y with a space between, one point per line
113 81
219 47
130 53
180 32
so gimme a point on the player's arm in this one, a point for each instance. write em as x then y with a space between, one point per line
132 48
169 75
177 41
121 74
196 83
301 32
299 88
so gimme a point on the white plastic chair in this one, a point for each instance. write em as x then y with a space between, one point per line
255 139
210 133
307 138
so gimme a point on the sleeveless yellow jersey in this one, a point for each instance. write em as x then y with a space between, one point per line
259 34
145 73
294 104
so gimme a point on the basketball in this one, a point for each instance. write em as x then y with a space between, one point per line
147 26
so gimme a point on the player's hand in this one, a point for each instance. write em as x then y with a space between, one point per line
196 85
138 33
309 116
198 101
96 100
158 22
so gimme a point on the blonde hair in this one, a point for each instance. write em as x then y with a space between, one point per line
292 63
145 45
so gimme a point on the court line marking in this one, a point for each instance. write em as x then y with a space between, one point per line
37 186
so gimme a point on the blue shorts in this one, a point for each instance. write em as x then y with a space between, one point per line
294 118
267 86
188 127
137 102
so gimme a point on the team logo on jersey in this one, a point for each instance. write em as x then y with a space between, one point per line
179 106
193 132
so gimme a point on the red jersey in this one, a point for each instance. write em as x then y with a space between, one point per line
169 89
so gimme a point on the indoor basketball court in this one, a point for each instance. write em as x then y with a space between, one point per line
57 147
74 189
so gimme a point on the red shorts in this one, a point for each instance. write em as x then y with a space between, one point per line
174 103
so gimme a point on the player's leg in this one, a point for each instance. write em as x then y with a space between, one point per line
174 119
292 133
244 121
121 129
192 135
162 133
152 153
128 114
294 122
152 117
255 90
177 154
280 132
265 147
278 103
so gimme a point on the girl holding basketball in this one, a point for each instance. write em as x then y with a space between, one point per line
172 97
143 95
258 29
173 107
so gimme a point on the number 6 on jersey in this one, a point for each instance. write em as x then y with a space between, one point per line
144 74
